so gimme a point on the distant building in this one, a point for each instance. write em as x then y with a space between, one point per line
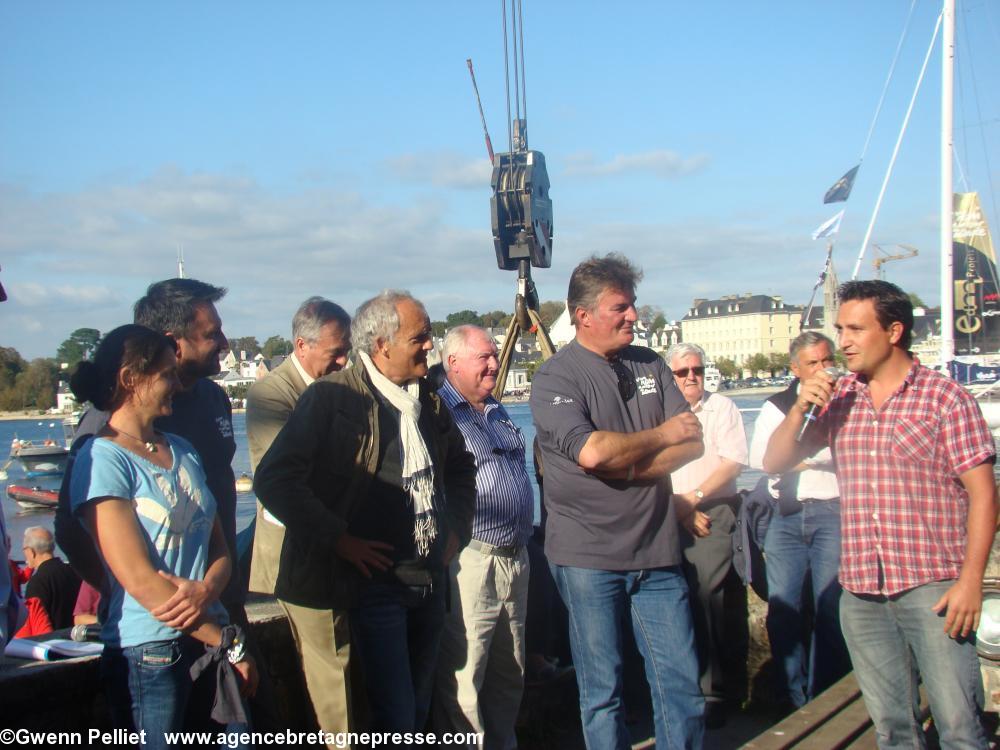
65 400
242 366
737 327
517 380
562 330
663 338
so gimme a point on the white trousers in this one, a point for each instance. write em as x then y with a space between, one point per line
480 675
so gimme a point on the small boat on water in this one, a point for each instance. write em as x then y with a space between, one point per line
32 497
40 459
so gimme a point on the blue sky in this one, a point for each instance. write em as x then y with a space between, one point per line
335 148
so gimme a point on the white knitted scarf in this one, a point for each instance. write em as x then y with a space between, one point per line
418 471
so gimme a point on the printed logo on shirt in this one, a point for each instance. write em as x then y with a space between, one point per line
646 384
560 400
225 427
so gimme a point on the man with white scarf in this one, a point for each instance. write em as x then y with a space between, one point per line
376 490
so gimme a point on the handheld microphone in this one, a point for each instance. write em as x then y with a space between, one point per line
814 410
83 633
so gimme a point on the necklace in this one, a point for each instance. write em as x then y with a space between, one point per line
149 444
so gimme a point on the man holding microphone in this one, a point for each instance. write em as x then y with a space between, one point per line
914 462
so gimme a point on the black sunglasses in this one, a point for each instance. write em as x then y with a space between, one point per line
683 372
626 381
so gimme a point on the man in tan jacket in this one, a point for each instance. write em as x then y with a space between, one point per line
321 335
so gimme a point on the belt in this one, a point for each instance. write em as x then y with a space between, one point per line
512 550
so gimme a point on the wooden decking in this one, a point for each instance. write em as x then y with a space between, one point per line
834 720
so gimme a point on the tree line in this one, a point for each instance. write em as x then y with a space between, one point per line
33 385
27 385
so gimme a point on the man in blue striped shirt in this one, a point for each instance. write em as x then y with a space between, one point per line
481 669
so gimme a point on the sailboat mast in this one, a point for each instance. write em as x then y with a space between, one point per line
947 200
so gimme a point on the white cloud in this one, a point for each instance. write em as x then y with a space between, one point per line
65 296
81 259
662 163
442 169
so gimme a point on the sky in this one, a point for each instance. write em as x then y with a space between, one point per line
335 148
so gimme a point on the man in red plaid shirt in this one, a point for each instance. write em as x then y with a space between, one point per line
914 461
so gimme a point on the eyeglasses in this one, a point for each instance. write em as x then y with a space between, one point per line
699 372
626 381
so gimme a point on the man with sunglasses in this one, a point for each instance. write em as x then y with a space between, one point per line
709 483
612 425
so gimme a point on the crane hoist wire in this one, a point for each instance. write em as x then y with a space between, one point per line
520 207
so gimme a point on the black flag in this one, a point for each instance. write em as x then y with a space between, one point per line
841 189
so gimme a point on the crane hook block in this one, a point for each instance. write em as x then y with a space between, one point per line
522 210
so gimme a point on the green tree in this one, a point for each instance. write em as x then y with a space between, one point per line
549 311
496 319
276 345
532 368
11 363
756 363
438 328
238 391
246 344
658 323
80 345
35 387
777 361
463 317
727 368
648 315
915 299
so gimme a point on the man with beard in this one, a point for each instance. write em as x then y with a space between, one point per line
183 309
372 481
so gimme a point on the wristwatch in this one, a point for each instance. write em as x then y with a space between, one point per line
238 651
699 494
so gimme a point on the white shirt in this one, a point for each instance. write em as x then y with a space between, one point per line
819 482
302 371
722 425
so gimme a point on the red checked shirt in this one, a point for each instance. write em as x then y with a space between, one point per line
903 507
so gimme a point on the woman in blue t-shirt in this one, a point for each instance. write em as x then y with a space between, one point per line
143 498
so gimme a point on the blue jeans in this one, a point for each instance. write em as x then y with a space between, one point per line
149 688
397 632
657 603
806 543
893 639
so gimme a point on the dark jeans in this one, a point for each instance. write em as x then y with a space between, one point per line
396 631
149 688
800 547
